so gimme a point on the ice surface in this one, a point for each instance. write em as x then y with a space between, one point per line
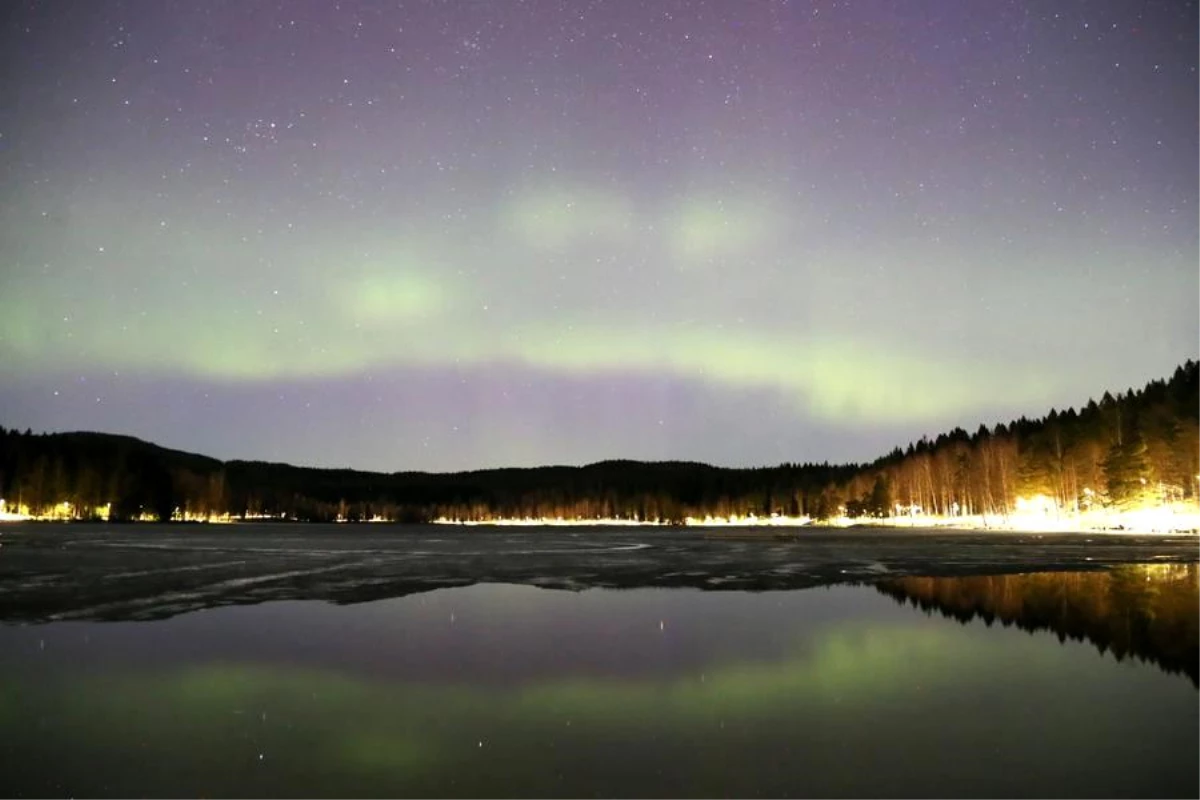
148 572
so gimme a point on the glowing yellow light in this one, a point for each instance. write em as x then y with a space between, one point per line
774 520
1039 504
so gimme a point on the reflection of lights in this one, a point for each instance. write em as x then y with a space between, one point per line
1163 572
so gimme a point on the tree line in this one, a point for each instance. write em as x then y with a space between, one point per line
142 480
1140 447
1117 452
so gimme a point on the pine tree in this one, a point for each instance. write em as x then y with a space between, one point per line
1127 471
879 502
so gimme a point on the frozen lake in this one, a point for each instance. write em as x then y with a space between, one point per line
351 661
61 572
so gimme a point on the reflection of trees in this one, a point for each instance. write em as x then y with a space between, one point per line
1149 611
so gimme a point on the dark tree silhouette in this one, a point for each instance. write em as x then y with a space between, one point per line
1117 451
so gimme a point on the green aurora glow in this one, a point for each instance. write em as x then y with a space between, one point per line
740 219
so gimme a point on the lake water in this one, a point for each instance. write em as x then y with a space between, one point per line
272 662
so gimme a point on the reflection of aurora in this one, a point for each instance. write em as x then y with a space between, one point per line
363 725
865 684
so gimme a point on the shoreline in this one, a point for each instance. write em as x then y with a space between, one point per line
1182 527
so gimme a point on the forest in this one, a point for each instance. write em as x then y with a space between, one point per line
1140 447
1137 448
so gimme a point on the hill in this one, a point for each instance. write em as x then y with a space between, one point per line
1137 448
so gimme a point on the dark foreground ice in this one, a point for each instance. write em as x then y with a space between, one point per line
50 572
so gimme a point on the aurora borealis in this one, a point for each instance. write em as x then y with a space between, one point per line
467 234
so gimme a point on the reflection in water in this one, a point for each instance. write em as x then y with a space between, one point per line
367 736
497 690
1146 610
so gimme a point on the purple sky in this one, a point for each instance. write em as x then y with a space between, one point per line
465 234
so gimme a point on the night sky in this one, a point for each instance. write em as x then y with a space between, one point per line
446 235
